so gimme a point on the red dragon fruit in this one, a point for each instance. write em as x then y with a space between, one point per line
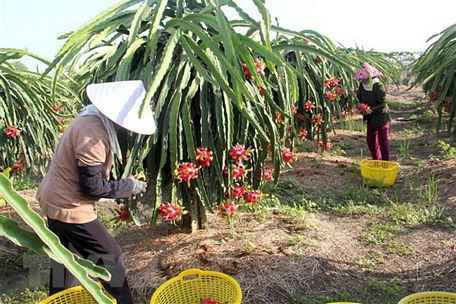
252 196
237 191
11 132
123 214
227 208
238 172
170 212
239 153
186 172
362 107
204 157
287 155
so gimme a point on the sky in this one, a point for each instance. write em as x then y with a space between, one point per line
382 25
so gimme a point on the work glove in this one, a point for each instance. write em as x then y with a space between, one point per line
139 187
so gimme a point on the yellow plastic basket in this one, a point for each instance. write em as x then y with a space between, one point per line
430 297
192 286
73 295
379 173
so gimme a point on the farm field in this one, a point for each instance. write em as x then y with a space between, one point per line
145 142
318 235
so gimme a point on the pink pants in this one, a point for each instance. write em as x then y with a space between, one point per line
378 141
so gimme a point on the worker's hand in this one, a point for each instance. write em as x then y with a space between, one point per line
368 111
139 187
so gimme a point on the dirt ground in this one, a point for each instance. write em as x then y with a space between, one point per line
322 253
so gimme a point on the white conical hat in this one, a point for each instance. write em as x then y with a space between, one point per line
121 101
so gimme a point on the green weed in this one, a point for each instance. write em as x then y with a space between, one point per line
287 188
395 105
425 209
393 288
426 117
25 296
355 125
399 248
24 181
352 209
404 149
294 239
371 261
111 222
447 150
299 216
337 150
381 233
413 131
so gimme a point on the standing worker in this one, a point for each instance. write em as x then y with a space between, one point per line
78 176
371 95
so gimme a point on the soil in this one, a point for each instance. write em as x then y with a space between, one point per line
324 256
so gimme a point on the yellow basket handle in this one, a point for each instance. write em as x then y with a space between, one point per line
190 273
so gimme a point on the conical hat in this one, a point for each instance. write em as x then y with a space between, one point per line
121 101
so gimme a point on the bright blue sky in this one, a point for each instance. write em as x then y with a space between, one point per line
386 25
36 24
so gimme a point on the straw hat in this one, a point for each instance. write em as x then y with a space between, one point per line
121 102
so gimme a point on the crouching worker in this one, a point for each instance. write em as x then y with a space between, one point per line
79 175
